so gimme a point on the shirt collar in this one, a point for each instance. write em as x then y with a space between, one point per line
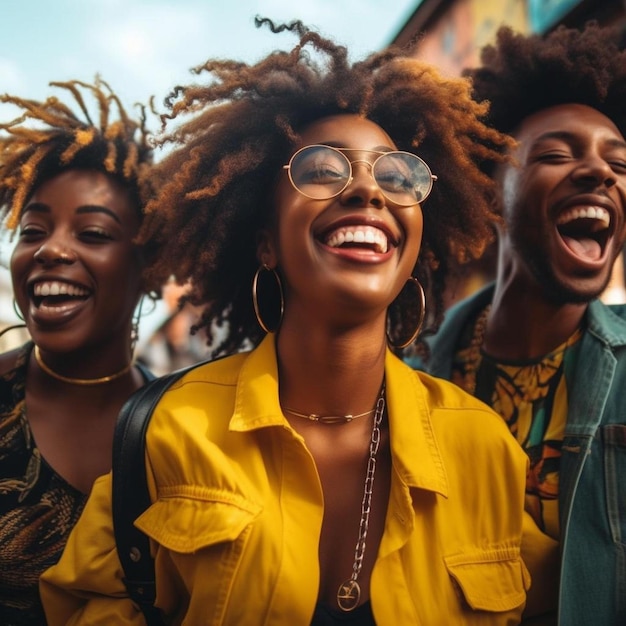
416 454
417 458
256 400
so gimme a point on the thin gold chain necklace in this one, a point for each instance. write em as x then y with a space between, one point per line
349 592
79 381
328 419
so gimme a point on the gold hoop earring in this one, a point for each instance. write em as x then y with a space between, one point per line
17 311
13 327
138 313
134 327
398 345
268 308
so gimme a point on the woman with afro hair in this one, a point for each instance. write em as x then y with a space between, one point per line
314 478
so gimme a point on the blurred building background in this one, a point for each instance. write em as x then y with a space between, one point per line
450 33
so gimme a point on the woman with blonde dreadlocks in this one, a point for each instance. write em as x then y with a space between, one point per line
71 191
316 479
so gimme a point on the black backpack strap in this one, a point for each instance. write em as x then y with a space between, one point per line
131 497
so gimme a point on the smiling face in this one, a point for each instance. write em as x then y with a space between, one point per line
352 252
564 202
75 270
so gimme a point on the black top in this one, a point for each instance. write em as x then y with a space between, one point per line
327 616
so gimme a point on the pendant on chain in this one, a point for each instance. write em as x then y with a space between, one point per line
348 595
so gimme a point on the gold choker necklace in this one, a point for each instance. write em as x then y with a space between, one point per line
328 419
79 381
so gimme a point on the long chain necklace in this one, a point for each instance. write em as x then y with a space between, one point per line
79 381
349 592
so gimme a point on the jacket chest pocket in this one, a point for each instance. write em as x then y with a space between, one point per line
203 539
492 581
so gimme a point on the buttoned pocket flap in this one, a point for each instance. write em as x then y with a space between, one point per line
187 524
495 580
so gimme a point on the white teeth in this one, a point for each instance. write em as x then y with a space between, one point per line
57 288
593 213
56 309
359 234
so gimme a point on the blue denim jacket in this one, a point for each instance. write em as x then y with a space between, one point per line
592 491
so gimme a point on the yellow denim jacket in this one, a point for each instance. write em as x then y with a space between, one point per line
237 511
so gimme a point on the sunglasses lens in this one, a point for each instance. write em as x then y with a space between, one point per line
319 172
404 178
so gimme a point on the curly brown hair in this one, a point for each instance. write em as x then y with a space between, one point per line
522 74
215 188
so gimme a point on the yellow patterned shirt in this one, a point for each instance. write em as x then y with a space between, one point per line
532 398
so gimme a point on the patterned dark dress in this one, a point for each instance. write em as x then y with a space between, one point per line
37 507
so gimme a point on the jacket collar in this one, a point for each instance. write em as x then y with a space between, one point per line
444 343
416 456
606 323
256 399
415 452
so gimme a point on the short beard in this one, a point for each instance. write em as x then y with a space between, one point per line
558 293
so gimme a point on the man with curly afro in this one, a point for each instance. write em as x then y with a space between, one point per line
538 345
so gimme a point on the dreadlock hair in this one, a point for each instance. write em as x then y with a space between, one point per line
523 74
216 187
48 137
59 139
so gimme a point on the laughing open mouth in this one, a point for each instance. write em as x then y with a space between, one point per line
364 237
56 293
585 231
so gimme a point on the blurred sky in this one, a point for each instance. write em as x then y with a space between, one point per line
145 47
